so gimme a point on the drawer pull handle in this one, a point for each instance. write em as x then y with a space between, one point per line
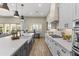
58 53
63 51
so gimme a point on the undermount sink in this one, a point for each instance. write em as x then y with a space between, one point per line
56 36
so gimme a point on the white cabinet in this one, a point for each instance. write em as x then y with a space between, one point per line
55 48
52 47
64 52
53 13
66 14
76 10
47 40
61 51
50 43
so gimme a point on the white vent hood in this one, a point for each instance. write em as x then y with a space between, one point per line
53 13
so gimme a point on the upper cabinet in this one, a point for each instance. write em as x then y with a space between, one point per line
66 14
76 10
53 13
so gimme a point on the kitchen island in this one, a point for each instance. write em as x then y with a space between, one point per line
19 47
58 46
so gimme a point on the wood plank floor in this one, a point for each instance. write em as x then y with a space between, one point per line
40 48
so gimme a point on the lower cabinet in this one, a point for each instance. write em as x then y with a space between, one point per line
22 51
64 52
55 48
50 44
25 49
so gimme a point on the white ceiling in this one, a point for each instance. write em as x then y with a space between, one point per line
29 9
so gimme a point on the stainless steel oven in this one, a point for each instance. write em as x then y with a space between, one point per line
75 48
75 51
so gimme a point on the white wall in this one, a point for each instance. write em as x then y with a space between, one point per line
35 20
28 21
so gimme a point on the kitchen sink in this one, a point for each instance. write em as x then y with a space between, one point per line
56 36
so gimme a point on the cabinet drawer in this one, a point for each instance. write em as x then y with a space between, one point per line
64 52
60 51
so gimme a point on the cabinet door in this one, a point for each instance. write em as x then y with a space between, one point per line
17 53
77 10
52 43
46 38
66 14
55 48
64 52
49 43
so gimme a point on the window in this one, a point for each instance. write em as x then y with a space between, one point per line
49 25
37 27
7 28
1 28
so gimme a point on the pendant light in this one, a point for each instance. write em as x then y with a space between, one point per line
4 6
22 17
16 12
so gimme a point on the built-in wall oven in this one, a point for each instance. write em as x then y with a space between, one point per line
76 29
75 48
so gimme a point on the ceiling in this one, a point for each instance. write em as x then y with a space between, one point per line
28 10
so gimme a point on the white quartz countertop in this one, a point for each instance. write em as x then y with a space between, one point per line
9 46
64 43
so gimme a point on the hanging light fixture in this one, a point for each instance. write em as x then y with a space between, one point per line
4 6
22 17
16 12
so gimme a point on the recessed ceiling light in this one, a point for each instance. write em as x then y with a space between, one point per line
40 5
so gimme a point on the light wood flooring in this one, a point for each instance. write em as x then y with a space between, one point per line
40 48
